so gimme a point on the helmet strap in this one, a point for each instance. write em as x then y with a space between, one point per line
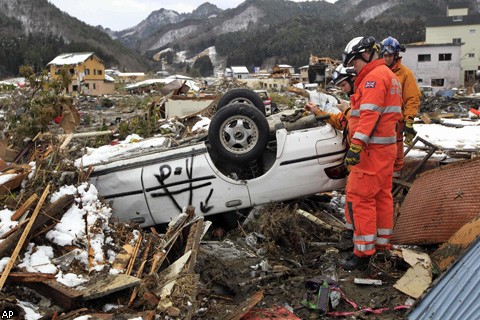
370 58
372 53
396 57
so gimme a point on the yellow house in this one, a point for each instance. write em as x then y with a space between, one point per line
87 71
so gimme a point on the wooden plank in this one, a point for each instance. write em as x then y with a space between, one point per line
172 235
193 298
140 270
193 243
61 295
134 255
67 138
145 256
29 277
149 315
123 257
13 183
22 154
245 306
19 246
317 220
169 276
425 118
105 286
453 249
73 314
20 211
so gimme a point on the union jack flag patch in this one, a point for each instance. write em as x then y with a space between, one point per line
370 84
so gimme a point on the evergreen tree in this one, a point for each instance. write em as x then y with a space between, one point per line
204 66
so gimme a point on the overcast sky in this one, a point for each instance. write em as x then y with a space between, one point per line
122 14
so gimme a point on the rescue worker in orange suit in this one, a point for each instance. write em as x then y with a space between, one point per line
390 50
343 78
375 111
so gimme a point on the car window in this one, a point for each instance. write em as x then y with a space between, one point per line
263 95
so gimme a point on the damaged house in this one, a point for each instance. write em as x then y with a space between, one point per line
87 71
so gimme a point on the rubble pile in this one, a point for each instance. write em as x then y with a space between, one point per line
65 256
458 105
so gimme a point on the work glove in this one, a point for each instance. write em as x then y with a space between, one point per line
353 156
297 114
409 133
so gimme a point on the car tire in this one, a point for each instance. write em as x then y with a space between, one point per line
239 133
240 95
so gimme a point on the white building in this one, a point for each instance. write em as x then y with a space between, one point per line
239 72
436 65
458 28
304 74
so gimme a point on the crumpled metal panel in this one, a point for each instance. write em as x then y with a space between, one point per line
455 294
439 203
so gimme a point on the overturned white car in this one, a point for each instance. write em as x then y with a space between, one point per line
244 162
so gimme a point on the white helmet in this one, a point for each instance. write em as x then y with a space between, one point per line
356 47
341 73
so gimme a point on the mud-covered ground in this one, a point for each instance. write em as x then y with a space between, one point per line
277 255
280 254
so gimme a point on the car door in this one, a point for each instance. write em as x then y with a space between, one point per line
188 177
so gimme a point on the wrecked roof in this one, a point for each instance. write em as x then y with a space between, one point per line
239 69
149 82
146 83
455 296
70 58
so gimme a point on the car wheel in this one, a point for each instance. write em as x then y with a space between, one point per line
239 133
240 95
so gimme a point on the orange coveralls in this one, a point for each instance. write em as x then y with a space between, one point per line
338 120
376 109
410 102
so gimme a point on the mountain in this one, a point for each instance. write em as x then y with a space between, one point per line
34 32
257 33
133 37
265 32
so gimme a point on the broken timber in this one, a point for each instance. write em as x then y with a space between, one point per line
69 298
20 211
317 220
243 308
23 237
112 283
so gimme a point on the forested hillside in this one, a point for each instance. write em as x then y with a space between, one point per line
36 48
257 33
293 43
34 32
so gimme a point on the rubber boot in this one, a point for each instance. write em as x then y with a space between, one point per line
346 242
354 262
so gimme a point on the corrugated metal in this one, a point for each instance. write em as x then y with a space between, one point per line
439 203
456 294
